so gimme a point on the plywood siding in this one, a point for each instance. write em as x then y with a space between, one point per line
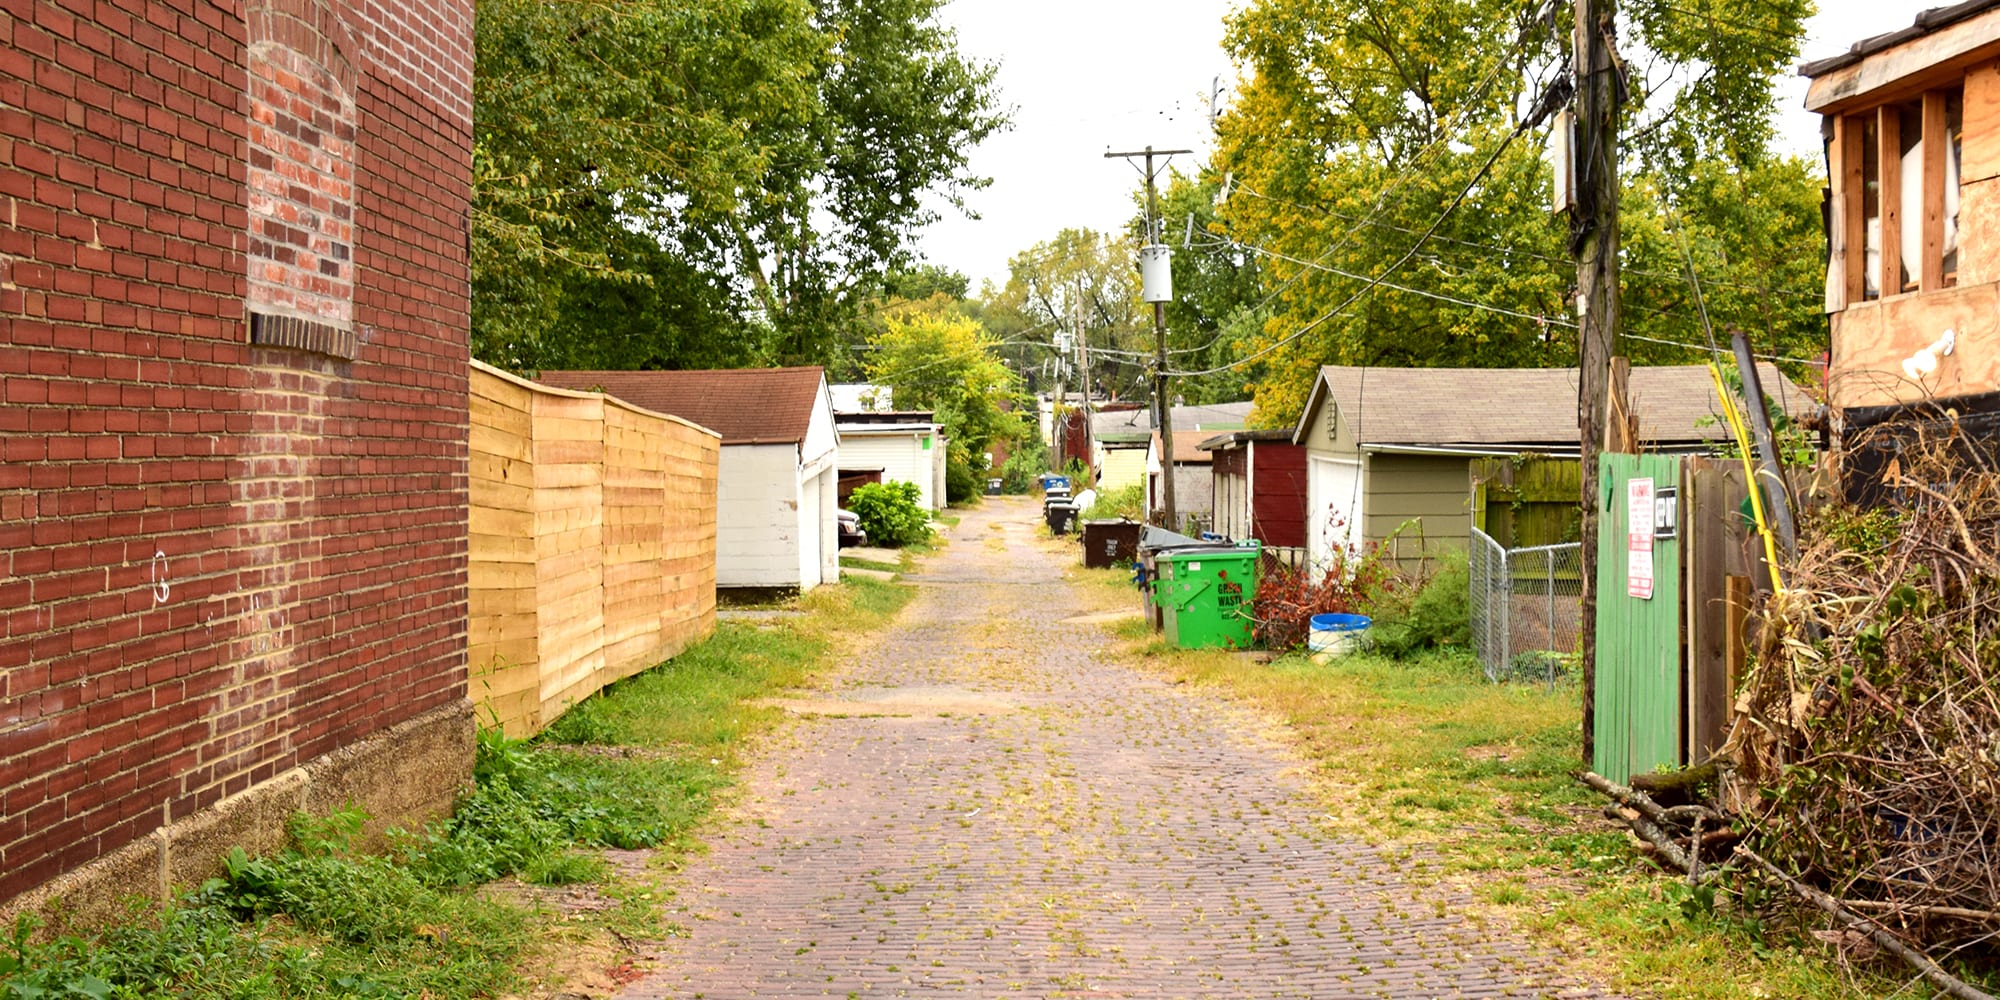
1871 339
592 548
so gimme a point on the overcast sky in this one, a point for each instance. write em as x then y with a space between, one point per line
1086 76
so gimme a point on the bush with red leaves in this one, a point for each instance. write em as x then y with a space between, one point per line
1288 598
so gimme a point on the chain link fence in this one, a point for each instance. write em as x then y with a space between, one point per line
1526 607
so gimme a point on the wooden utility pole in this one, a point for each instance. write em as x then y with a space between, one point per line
1603 415
1083 366
1162 401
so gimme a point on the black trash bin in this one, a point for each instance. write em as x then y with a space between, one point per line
1107 543
1061 517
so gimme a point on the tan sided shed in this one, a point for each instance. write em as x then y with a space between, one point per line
1390 447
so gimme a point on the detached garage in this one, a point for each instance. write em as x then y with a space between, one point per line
778 477
894 446
1388 450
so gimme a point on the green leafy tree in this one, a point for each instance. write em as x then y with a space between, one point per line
1365 122
1080 284
890 513
933 357
705 181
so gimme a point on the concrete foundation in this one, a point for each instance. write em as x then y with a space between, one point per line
404 777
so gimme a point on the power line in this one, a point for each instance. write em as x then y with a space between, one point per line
1456 200
1549 320
1518 251
1703 349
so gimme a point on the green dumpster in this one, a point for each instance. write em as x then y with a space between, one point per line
1205 595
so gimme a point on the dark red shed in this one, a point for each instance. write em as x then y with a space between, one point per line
1260 486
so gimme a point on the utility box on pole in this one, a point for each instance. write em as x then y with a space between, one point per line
1157 287
1156 273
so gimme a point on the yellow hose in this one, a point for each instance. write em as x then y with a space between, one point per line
1743 446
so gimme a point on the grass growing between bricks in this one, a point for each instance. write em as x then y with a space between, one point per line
638 766
1469 782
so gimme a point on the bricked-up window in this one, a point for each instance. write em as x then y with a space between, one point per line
301 189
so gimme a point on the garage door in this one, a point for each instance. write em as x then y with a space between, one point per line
1333 498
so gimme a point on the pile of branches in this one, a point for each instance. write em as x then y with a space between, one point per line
1866 751
1675 828
1288 597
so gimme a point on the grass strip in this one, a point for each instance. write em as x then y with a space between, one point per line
320 919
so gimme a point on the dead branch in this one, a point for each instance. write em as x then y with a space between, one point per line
1952 985
1863 756
1644 803
1915 910
1651 822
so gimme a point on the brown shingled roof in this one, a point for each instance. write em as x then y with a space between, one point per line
744 405
1523 406
1187 447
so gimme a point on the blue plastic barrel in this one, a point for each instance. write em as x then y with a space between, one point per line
1336 633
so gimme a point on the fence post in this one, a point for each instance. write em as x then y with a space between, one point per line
1549 594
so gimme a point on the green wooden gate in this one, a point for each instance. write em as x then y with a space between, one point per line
1638 711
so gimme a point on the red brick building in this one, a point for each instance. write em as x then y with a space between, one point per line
233 425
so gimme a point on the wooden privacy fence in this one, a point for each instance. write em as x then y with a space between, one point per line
1527 500
592 544
1670 649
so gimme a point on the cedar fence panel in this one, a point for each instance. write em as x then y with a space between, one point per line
592 545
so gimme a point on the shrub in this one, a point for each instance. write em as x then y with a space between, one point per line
1288 598
962 481
1435 614
890 513
1024 467
1128 502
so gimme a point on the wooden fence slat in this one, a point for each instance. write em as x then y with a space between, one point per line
592 545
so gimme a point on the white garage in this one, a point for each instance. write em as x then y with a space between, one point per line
778 477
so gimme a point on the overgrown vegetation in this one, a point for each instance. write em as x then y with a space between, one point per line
1024 467
891 513
1128 502
1867 761
1433 614
1288 597
323 920
964 478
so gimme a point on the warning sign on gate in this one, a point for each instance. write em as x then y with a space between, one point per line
1639 539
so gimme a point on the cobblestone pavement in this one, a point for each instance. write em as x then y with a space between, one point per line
985 808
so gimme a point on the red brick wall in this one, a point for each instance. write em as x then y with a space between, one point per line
218 560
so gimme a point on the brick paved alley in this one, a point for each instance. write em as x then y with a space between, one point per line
984 807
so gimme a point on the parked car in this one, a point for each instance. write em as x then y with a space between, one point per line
850 529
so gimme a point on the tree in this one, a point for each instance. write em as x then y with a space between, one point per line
933 357
1081 284
1384 162
660 183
